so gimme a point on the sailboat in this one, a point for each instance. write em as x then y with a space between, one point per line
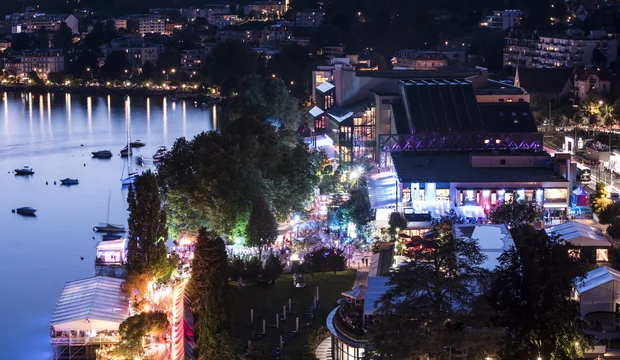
107 227
131 177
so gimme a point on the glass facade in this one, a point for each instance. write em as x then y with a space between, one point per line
343 351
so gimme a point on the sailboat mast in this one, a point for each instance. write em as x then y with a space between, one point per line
107 221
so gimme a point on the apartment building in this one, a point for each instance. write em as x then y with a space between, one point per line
151 25
418 60
50 22
266 7
41 62
137 51
192 60
503 19
309 17
566 50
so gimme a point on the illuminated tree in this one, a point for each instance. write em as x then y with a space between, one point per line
600 200
262 228
516 212
397 221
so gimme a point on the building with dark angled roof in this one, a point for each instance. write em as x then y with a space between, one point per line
590 80
552 83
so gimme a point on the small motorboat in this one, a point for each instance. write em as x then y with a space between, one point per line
137 144
108 237
68 181
102 154
27 211
161 152
24 171
109 228
126 151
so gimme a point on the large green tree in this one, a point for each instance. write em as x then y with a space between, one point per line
116 65
229 62
357 208
135 328
63 38
146 247
600 200
265 98
210 296
532 298
427 308
262 229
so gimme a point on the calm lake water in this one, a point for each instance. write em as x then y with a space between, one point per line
55 134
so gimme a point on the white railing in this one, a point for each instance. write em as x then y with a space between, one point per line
85 340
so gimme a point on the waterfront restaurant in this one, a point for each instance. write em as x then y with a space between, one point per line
87 316
111 258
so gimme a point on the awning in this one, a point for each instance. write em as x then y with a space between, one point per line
470 211
579 191
356 293
377 286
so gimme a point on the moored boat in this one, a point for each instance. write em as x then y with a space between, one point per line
28 211
24 171
161 152
102 154
137 144
126 151
109 228
68 181
108 237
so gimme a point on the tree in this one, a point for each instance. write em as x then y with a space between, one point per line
146 246
357 208
600 200
397 221
273 268
35 78
43 39
115 65
516 212
532 298
63 39
22 41
265 99
294 66
229 62
169 60
135 328
211 297
430 298
262 227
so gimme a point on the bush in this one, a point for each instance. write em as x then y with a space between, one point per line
273 268
253 268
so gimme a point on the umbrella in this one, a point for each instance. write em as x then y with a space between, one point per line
356 293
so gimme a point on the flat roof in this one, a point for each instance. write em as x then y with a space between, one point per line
455 167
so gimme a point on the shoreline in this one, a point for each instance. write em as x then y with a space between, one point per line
95 90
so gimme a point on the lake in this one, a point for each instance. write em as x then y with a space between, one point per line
54 133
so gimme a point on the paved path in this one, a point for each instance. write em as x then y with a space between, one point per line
324 351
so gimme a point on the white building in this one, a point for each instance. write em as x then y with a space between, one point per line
151 25
50 22
418 60
503 19
574 50
41 62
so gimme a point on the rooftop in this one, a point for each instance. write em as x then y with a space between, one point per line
456 167
580 234
493 240
597 277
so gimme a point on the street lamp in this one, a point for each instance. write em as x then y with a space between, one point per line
91 73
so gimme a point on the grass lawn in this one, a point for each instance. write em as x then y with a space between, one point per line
274 297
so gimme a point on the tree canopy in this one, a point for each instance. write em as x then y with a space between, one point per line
229 62
516 212
262 227
135 328
600 200
428 307
63 39
532 298
115 65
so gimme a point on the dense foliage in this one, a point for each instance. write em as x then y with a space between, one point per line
325 259
228 63
147 257
600 200
516 212
262 227
611 215
211 179
135 328
397 221
210 296
532 298
428 308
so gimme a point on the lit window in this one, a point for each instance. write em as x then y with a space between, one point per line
602 255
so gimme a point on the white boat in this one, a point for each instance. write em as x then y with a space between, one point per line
161 152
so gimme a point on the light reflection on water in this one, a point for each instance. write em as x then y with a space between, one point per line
41 254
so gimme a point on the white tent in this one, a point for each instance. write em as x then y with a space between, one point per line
356 293
599 291
493 239
95 303
580 234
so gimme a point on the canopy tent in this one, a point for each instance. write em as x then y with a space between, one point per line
581 197
580 234
599 290
493 240
112 251
356 293
96 303
470 211
377 286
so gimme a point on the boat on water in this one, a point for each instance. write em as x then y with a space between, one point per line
102 154
68 181
109 228
126 151
24 171
109 237
137 144
28 211
161 152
